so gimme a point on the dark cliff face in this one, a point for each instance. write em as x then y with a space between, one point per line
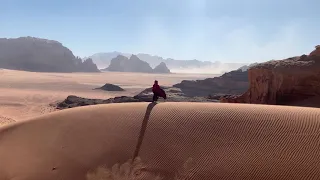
38 55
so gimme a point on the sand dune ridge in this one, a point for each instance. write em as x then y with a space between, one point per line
225 141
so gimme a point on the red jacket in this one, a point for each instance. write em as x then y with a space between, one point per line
156 89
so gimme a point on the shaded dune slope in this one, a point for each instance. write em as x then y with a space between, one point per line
225 141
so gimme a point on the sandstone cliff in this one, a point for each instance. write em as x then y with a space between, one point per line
40 55
283 82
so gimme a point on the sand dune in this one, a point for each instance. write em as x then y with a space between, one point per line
225 141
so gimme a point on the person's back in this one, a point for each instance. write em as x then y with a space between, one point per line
157 91
156 88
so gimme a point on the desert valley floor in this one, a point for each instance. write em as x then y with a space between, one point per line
24 95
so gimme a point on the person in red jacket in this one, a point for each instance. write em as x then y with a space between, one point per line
157 92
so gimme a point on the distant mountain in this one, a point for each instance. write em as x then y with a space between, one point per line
178 66
40 55
161 68
134 64
103 60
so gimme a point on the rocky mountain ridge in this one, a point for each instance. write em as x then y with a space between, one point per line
103 60
134 64
41 55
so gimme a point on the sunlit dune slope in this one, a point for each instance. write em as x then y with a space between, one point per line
225 141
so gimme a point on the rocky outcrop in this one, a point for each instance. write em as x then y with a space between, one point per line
110 87
134 64
40 55
173 95
316 52
87 66
246 67
137 65
283 82
234 82
161 68
123 64
117 64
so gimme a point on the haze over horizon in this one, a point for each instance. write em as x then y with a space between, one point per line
227 31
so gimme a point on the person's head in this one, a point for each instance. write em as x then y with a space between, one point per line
155 82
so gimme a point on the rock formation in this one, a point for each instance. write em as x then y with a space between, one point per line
316 52
234 82
283 82
87 66
110 87
117 64
173 95
104 59
246 67
134 64
137 65
40 55
161 68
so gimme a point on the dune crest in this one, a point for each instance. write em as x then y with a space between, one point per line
225 141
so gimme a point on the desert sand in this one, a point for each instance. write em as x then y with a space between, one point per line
194 140
25 95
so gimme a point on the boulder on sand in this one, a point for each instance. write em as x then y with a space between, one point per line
110 87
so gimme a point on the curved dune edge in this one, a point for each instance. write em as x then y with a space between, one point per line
224 141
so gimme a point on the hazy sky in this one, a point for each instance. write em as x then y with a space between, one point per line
223 30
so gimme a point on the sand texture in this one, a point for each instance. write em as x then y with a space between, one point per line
218 141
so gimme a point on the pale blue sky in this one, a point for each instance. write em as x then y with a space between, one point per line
215 30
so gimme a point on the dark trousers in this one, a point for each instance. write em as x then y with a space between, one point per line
155 97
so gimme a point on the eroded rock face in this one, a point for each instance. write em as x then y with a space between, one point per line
39 55
282 82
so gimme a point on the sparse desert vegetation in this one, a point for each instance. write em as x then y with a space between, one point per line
132 170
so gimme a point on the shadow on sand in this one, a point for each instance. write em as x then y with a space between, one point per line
143 129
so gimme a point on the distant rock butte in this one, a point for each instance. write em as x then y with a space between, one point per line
134 64
117 64
87 66
40 55
291 81
161 68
